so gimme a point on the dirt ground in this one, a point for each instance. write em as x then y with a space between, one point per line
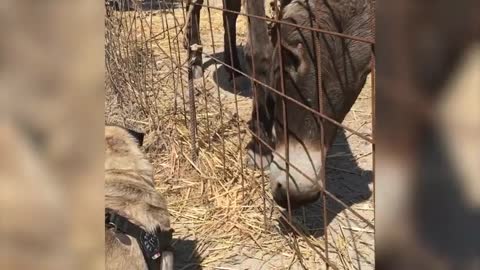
221 212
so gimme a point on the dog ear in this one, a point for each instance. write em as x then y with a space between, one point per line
137 135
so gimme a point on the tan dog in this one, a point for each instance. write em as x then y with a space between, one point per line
130 191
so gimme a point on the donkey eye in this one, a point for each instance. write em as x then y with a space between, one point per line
290 59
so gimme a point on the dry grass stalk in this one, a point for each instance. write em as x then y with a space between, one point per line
214 201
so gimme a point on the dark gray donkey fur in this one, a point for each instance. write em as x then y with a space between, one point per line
344 64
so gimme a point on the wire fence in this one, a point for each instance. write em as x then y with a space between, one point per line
174 69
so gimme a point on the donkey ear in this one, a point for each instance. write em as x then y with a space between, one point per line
137 135
298 57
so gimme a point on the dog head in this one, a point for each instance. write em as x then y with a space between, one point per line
122 150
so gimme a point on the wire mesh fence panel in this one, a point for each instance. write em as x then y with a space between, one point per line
223 88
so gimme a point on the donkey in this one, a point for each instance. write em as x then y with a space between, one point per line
290 55
193 43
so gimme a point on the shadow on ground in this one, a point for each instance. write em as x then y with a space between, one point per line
240 86
345 180
186 256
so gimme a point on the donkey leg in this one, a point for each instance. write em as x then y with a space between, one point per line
230 37
188 27
193 43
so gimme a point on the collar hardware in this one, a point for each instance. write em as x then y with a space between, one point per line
152 244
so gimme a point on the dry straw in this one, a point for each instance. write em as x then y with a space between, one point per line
221 211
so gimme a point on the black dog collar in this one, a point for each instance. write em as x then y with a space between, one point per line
151 244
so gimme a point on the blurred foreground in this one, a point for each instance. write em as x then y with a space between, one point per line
51 161
428 135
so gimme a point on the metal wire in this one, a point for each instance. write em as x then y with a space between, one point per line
190 117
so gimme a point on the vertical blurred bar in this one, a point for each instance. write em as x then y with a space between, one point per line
427 129
51 134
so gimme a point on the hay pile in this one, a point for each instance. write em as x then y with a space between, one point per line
222 212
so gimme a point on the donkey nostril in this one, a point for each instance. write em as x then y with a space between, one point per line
279 185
